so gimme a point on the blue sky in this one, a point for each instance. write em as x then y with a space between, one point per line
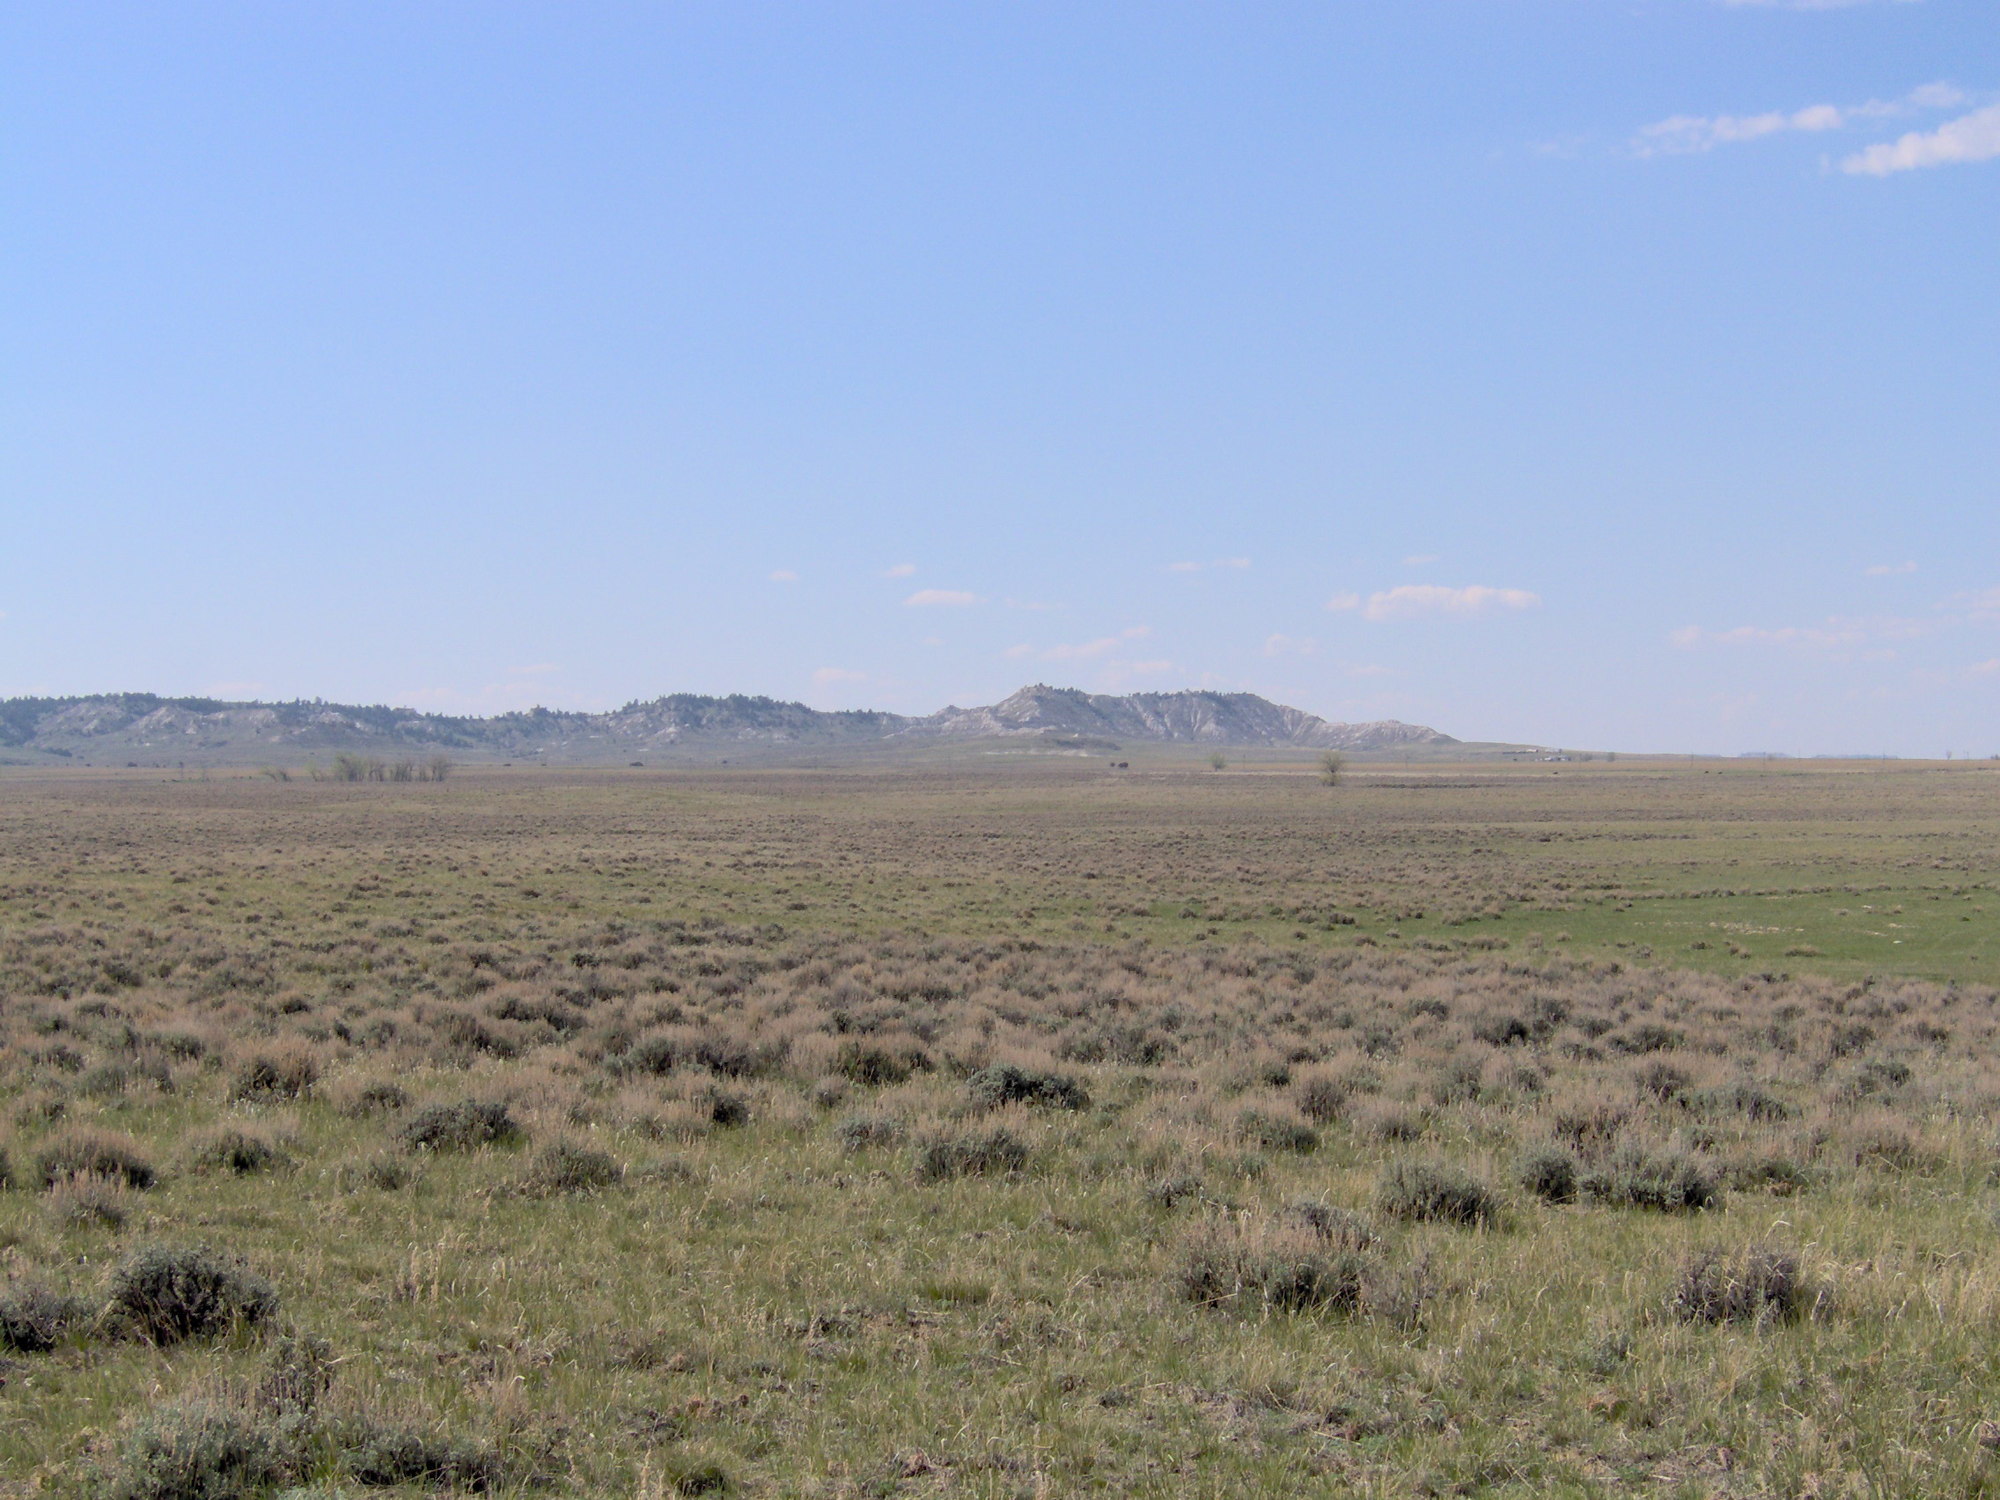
1609 374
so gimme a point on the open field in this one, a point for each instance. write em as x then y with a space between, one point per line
1022 1130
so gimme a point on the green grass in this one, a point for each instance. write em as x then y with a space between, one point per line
757 1305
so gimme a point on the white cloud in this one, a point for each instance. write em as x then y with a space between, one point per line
1973 137
784 575
1344 601
1885 570
1289 645
901 570
924 597
1987 668
826 675
1184 567
1220 562
1232 562
1412 601
1421 560
1148 668
540 668
1682 134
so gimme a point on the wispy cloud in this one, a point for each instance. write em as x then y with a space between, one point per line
784 575
1082 650
1886 570
1220 562
1681 135
1969 138
1421 560
1416 601
901 570
1688 637
1289 645
1842 634
925 597
826 676
1986 668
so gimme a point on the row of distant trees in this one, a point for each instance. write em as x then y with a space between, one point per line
350 767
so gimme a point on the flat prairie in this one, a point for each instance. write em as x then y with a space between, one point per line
1016 1129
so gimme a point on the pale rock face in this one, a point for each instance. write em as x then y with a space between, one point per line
136 724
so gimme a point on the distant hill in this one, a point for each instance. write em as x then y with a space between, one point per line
150 730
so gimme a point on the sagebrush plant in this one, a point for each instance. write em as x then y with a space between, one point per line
834 1133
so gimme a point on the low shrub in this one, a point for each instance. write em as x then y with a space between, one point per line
1548 1173
34 1318
1753 1285
376 1455
864 1132
1332 1225
291 1074
1005 1084
201 1450
873 1065
89 1154
1430 1191
566 1167
84 1201
387 1173
1170 1191
168 1294
995 1152
236 1152
1673 1182
463 1126
1321 1097
1276 1133
1274 1268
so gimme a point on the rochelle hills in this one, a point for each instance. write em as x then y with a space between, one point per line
141 728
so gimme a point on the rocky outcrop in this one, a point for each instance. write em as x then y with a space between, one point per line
149 729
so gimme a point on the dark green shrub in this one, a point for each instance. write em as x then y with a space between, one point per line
861 1133
1275 1133
1420 1190
1276 1272
874 1066
1747 1286
464 1126
1321 1098
233 1151
168 1294
404 1455
34 1319
202 1450
379 1098
1549 1173
88 1154
1672 1182
566 1167
996 1151
1005 1084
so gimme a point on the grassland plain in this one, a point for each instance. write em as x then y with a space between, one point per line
1025 1130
